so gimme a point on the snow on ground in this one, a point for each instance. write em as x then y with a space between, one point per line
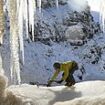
77 5
40 58
96 15
95 8
39 61
84 93
94 5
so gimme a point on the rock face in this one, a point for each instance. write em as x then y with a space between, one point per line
64 24
75 34
52 3
9 98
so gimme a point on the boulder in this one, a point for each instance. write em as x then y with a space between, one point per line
75 34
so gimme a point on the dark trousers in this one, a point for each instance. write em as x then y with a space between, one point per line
70 79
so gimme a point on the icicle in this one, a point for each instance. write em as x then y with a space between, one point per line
19 10
1 32
58 11
20 25
26 18
103 23
15 67
39 5
1 22
18 4
100 9
1 68
102 15
31 16
57 4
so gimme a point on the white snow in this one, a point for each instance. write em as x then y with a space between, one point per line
94 5
77 5
99 8
39 59
79 94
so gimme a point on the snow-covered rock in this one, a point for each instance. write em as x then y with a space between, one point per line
85 93
75 33
52 3
52 24
9 98
96 100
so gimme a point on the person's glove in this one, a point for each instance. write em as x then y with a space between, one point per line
59 81
49 83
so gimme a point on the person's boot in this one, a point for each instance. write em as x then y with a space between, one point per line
69 84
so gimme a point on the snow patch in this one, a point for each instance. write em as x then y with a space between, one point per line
78 5
9 98
84 92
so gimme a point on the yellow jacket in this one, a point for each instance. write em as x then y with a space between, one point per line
66 67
